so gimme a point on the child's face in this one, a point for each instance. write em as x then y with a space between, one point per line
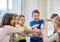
55 25
16 19
22 20
36 16
12 22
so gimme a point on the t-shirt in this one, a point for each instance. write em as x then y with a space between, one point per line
32 23
21 36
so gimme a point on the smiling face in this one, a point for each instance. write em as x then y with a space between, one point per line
16 19
21 20
36 16
12 22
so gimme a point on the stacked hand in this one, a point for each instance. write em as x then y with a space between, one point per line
43 26
38 33
48 20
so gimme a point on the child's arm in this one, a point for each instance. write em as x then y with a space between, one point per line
35 26
52 38
31 31
20 30
48 20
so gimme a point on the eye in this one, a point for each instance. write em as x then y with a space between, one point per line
34 16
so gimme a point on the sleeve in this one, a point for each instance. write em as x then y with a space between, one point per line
31 24
15 30
42 21
51 39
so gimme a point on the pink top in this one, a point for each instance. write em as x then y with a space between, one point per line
7 30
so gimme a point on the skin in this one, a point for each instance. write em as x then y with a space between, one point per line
21 21
56 27
36 16
12 21
16 19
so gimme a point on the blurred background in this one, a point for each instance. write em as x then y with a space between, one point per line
25 7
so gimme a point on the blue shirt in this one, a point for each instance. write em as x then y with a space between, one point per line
32 23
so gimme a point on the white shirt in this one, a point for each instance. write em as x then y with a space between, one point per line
6 31
52 38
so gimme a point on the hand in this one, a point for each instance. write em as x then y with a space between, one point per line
35 26
38 32
43 26
48 20
40 35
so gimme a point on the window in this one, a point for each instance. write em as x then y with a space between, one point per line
5 6
10 6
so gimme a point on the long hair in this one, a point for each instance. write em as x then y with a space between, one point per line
7 17
57 20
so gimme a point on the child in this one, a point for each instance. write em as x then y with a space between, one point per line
7 28
21 38
37 23
51 19
56 36
12 37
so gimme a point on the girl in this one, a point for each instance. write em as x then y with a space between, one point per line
54 37
21 38
7 28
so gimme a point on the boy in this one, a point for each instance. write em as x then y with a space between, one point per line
53 16
36 23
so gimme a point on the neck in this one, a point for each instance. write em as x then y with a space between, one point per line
36 20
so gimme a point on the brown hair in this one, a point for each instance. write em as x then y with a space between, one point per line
57 20
54 15
21 16
6 19
15 15
35 11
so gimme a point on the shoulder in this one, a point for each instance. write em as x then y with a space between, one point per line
25 25
41 20
31 21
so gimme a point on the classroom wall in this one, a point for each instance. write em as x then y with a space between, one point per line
16 6
30 5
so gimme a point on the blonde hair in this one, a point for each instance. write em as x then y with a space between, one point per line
57 20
